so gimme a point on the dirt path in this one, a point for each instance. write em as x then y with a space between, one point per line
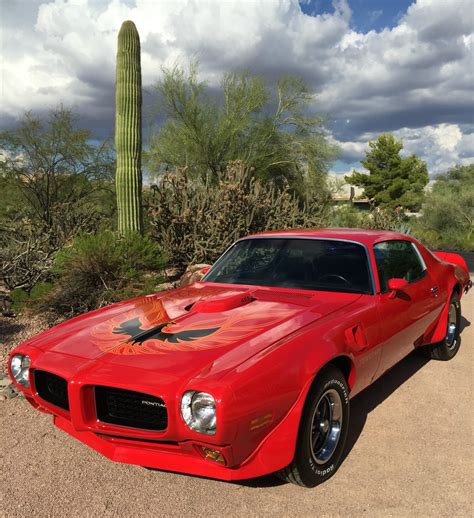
410 453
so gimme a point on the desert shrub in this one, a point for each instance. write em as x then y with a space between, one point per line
22 299
26 254
375 219
388 219
97 269
196 220
19 299
447 219
348 216
28 245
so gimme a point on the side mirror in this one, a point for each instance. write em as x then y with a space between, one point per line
204 270
395 285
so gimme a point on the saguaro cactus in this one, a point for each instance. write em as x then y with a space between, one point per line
128 130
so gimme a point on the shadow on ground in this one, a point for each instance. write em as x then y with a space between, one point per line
464 323
8 327
365 402
378 392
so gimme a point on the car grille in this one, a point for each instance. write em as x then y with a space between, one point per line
52 388
129 408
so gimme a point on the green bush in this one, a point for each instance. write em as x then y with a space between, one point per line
447 219
22 299
348 216
375 219
19 298
98 269
388 219
197 220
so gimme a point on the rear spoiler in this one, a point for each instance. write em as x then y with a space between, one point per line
462 271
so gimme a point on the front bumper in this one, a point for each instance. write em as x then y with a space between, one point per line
170 450
273 453
180 457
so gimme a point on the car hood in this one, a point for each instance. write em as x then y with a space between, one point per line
191 331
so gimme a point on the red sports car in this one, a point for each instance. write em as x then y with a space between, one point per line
251 370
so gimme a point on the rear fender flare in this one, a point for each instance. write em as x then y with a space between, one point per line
440 330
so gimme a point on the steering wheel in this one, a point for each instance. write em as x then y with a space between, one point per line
335 276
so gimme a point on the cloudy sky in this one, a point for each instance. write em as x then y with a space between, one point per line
377 65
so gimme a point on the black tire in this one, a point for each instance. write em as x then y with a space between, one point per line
318 454
449 346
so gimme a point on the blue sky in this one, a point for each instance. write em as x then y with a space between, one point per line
367 15
376 66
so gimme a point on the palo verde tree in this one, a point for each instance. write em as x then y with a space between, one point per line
54 183
54 165
128 130
393 181
268 126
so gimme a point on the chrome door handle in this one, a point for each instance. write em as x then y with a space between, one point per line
434 289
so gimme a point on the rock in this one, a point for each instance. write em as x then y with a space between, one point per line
11 392
193 273
8 392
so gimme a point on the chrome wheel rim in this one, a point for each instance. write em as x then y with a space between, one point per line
452 327
326 426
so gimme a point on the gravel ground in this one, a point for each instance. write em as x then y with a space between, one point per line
410 452
14 331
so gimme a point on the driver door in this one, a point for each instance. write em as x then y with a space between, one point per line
404 316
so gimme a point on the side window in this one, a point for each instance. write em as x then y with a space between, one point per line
397 259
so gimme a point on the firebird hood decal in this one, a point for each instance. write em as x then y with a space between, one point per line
138 336
148 330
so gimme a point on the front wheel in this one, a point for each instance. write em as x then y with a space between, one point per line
449 346
323 430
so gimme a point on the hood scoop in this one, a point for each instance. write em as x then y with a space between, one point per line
223 303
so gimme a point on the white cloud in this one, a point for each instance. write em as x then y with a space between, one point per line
446 136
441 146
415 79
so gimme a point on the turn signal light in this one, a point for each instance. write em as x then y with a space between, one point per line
214 455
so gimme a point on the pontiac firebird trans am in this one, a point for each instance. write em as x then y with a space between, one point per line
251 370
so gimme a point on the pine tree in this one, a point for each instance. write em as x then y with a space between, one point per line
393 180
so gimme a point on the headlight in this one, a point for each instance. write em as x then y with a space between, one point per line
199 411
20 365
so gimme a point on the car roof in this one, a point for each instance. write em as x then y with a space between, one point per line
360 235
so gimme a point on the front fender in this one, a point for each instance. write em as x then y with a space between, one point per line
270 390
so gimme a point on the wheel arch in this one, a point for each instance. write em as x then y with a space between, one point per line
440 329
283 438
346 366
341 362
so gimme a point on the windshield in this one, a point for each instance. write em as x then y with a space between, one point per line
307 264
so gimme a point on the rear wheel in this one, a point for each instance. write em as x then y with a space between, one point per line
449 346
322 433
